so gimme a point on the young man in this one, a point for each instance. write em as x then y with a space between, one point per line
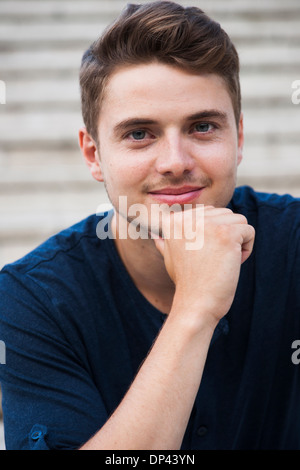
124 332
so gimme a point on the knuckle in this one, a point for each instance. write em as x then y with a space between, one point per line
252 230
243 219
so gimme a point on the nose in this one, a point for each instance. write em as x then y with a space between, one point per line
174 156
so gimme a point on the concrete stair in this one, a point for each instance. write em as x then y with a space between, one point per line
44 184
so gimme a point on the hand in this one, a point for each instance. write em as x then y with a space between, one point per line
209 275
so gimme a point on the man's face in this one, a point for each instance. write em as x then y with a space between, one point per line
167 136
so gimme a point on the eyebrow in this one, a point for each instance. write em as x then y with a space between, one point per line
211 113
133 122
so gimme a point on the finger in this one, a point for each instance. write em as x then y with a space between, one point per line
229 218
214 211
248 242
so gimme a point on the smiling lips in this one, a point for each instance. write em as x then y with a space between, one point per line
181 195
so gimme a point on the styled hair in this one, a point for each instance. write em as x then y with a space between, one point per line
164 32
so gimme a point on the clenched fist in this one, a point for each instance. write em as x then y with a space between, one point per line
206 276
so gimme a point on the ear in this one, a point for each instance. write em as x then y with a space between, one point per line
90 152
240 140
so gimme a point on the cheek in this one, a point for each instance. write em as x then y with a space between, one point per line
125 175
220 161
132 171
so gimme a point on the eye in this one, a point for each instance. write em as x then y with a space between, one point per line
139 137
203 127
138 134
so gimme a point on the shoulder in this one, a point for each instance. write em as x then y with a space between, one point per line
248 199
48 292
68 249
267 210
48 313
64 242
59 270
276 219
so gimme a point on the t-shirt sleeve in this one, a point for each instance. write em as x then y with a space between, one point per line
49 398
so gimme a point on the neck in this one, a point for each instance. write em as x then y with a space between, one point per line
146 268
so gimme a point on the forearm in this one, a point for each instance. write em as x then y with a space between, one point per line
155 411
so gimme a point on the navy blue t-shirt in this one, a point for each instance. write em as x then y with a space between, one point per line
76 330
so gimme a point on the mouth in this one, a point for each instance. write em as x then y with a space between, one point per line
177 195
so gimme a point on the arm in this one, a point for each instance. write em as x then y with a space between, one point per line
162 393
166 385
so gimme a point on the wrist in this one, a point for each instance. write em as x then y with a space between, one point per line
195 317
203 308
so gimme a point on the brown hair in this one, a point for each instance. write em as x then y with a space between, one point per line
158 31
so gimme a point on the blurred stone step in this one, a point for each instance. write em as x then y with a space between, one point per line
41 212
281 125
267 89
45 158
37 128
52 34
29 170
264 56
40 63
271 185
24 177
59 92
64 62
259 90
58 9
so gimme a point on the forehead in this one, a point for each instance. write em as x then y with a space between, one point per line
159 89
